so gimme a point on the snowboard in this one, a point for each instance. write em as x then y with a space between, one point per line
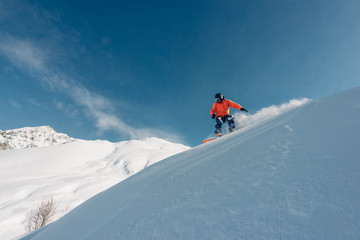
208 140
211 139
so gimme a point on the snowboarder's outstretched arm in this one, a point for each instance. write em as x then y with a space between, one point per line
234 105
237 106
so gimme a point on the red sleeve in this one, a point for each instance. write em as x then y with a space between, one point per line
212 111
234 105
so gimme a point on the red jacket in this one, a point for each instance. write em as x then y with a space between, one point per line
222 109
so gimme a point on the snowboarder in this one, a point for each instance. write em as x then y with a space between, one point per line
221 112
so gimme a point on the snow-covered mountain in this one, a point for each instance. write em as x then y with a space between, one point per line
295 176
71 172
31 137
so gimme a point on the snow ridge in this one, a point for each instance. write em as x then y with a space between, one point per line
31 137
71 173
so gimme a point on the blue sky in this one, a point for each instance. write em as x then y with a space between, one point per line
118 70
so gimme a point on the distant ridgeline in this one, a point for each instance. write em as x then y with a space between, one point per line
31 137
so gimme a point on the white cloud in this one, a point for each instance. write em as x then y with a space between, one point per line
15 104
22 54
68 109
36 42
89 99
243 120
28 57
34 102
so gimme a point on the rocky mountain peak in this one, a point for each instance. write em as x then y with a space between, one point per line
31 137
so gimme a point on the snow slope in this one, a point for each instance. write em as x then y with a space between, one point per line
295 176
71 172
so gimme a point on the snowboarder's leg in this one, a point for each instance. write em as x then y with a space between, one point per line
218 126
231 122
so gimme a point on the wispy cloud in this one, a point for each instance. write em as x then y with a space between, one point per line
22 54
15 104
34 102
68 109
35 57
27 57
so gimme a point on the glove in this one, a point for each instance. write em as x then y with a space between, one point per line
243 109
213 116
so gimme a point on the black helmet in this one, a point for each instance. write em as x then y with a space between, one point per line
219 96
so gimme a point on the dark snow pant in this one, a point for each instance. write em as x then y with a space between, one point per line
220 120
